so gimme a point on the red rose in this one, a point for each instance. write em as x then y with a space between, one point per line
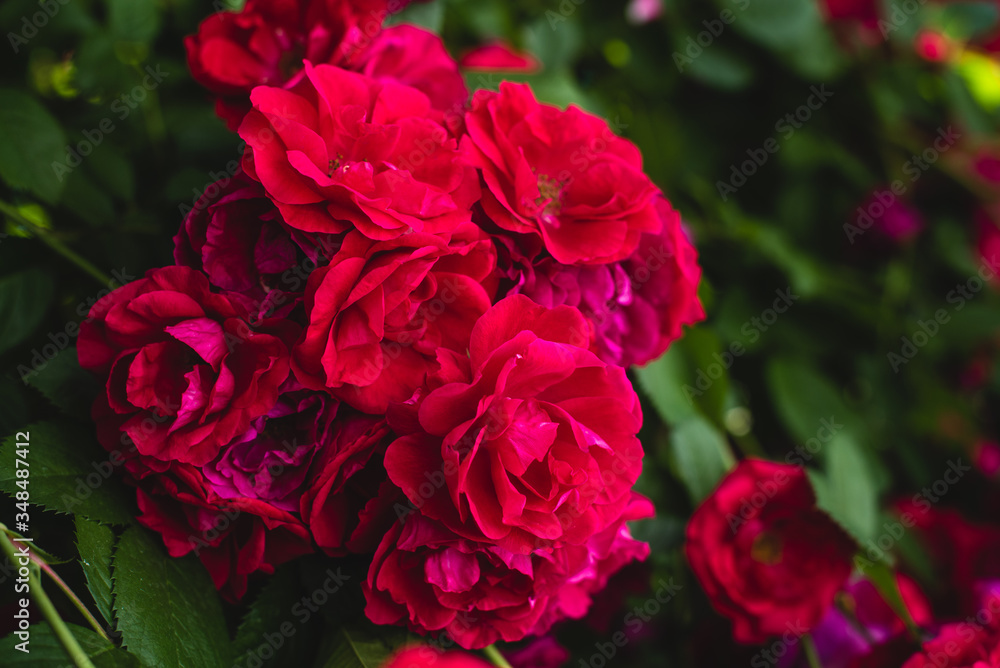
342 150
267 42
232 537
236 236
536 446
500 57
185 371
380 311
561 175
422 656
415 57
348 504
765 554
429 579
962 645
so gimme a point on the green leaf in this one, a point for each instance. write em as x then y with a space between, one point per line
68 475
662 380
699 456
24 300
31 141
65 384
46 652
95 543
775 23
84 198
13 406
805 400
850 494
364 646
168 610
721 69
268 613
884 579
132 21
428 15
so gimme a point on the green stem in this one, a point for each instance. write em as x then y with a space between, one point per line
812 655
59 247
63 634
71 595
495 657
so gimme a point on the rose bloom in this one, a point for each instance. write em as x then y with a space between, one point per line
236 236
380 311
499 57
532 443
767 557
349 499
232 537
637 307
961 645
185 372
423 656
416 57
560 175
429 579
268 40
342 150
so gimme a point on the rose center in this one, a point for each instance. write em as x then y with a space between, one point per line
549 197
767 547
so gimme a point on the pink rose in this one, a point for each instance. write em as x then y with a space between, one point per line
637 307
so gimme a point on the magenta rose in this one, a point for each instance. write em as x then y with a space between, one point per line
536 446
236 236
348 504
233 538
270 460
185 371
343 150
637 307
427 578
561 175
380 312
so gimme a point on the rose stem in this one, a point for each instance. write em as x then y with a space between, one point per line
63 634
59 247
71 595
495 657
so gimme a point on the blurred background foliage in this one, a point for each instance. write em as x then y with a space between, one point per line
701 96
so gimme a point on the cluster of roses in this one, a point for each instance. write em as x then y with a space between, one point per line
400 330
778 567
